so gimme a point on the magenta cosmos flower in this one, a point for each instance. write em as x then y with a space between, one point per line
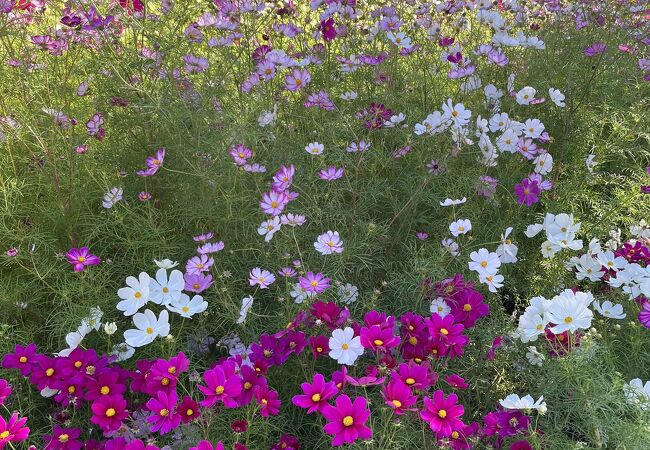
109 412
315 283
527 192
347 421
442 414
13 430
398 396
379 339
81 257
327 29
315 394
206 445
164 417
22 359
273 202
222 384
197 283
644 314
5 390
63 439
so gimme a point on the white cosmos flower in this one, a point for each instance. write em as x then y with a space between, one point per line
345 348
314 148
110 328
269 227
459 227
543 163
94 320
557 97
638 393
148 328
507 251
525 95
612 262
123 351
350 95
450 202
166 289
533 230
513 401
451 246
439 306
609 309
534 357
73 340
165 263
494 282
588 267
186 307
348 293
299 294
484 262
457 113
569 313
531 325
135 295
590 163
246 305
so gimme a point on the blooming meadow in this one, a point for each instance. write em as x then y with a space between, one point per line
238 224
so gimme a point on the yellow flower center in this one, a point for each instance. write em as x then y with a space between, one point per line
378 342
397 404
568 320
138 294
247 385
444 331
199 266
105 390
274 204
81 259
49 372
110 412
189 412
172 370
90 370
185 309
165 290
165 381
267 353
164 412
410 381
149 330
348 421
454 113
319 349
345 346
314 283
22 359
454 434
484 264
219 390
467 307
442 413
4 435
461 228
64 438
195 285
71 389
78 364
413 340
315 398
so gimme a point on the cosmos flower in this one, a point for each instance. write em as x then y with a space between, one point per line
80 258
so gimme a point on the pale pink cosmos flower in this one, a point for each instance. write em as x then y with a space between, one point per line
328 243
260 277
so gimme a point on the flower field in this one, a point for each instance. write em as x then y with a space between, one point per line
238 224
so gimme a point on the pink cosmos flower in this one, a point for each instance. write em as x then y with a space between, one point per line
5 390
210 247
262 278
203 237
327 29
197 282
240 154
315 394
644 314
442 414
109 412
398 396
328 243
347 421
315 283
164 417
195 64
13 430
153 163
283 178
331 173
595 49
456 381
188 410
198 264
273 202
297 79
81 257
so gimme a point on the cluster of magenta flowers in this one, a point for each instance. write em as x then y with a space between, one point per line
396 362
